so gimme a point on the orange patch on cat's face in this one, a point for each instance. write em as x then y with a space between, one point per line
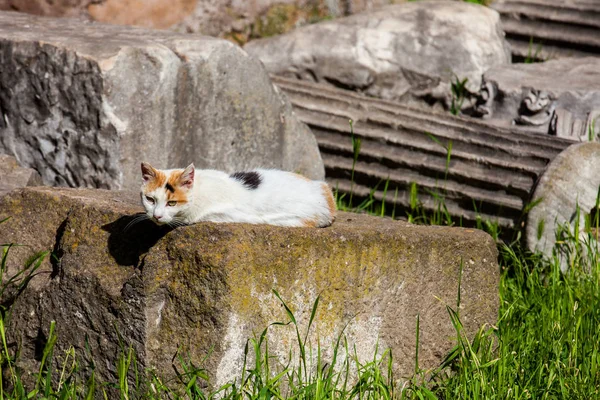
329 197
157 182
161 181
179 194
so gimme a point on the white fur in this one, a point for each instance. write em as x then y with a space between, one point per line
282 198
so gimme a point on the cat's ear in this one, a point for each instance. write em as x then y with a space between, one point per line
148 173
187 177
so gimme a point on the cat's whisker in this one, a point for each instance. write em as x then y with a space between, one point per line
176 222
135 220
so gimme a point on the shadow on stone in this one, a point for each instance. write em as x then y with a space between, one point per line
131 236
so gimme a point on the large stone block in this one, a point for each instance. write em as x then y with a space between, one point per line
84 103
405 52
206 288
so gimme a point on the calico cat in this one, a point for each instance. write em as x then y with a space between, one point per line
261 196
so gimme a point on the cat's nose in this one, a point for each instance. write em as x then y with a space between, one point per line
158 217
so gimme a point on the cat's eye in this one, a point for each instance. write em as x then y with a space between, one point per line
150 199
171 203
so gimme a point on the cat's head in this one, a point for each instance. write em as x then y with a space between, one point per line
165 192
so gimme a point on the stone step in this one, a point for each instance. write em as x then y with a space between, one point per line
204 289
491 169
564 29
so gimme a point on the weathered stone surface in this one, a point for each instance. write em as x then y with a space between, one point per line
549 29
570 182
491 173
84 103
559 97
208 286
13 176
403 52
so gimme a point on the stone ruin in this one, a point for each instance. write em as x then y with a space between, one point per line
84 104
490 175
71 94
237 20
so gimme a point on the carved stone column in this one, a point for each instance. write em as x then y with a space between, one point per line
479 169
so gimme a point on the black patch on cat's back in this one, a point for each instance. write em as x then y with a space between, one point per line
250 179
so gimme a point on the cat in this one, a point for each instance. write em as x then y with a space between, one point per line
260 196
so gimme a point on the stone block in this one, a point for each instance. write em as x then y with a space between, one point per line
206 288
490 175
565 196
85 103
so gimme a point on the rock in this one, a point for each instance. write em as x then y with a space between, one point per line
85 103
571 183
559 97
491 173
547 29
402 52
13 176
205 288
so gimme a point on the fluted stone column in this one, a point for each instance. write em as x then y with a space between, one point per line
491 172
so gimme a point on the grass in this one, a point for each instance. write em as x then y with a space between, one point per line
458 88
592 135
533 55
